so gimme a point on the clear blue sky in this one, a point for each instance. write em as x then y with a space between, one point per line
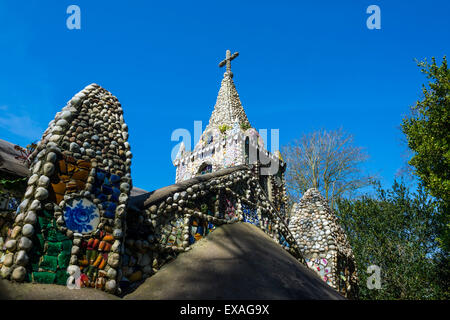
302 66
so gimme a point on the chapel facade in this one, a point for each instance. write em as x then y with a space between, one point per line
229 140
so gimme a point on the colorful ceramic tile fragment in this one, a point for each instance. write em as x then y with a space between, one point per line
81 215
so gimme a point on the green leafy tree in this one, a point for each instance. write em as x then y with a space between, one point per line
396 230
427 130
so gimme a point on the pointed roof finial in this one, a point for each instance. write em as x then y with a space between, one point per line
227 62
228 109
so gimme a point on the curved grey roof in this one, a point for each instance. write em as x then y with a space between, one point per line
8 163
243 263
141 199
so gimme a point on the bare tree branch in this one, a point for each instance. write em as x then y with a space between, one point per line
328 161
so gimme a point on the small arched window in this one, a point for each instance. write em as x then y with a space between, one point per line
204 168
247 150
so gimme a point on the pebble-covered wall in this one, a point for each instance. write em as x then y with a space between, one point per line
323 242
13 176
9 202
175 217
72 213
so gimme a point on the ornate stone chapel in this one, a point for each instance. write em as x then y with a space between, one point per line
78 219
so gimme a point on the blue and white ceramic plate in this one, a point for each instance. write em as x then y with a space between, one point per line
81 215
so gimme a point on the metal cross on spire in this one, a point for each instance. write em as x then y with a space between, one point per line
227 61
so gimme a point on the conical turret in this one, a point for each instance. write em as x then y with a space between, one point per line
228 109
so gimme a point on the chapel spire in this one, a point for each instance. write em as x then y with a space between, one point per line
228 109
